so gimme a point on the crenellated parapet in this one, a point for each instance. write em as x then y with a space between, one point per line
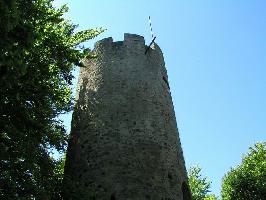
131 41
134 46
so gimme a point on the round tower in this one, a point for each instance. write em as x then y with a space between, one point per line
124 143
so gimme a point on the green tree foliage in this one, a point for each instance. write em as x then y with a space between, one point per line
199 185
210 197
38 49
247 180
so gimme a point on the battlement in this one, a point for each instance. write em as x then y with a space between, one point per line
131 41
103 42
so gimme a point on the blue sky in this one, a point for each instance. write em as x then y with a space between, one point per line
215 54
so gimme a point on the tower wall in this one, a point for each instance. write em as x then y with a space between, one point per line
124 141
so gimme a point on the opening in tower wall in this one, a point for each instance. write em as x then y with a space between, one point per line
186 191
112 197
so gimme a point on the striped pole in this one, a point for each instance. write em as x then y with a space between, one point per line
151 27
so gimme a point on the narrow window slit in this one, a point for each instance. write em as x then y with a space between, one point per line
166 81
186 191
113 197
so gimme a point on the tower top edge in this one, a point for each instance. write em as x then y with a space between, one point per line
134 37
128 39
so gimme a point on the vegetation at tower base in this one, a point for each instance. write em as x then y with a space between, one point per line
199 185
247 180
38 48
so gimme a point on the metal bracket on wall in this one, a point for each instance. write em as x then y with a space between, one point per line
147 49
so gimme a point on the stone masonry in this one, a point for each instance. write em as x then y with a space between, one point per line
124 142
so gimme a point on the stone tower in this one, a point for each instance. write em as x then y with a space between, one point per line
124 141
